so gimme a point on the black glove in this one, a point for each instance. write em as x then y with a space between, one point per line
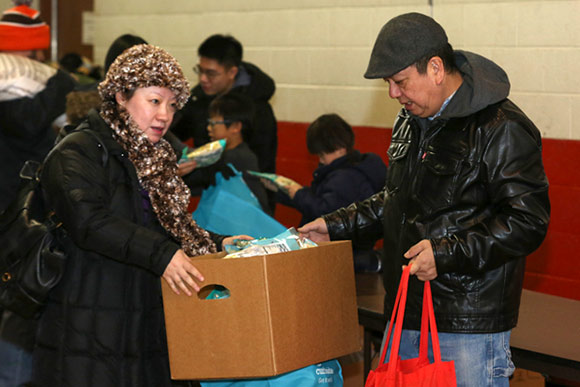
222 167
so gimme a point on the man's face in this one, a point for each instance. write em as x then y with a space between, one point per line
214 78
418 93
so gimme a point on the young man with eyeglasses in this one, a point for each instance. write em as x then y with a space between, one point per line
221 69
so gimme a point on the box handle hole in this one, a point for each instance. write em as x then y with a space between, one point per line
213 292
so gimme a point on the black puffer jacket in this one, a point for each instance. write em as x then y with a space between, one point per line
104 323
191 121
474 185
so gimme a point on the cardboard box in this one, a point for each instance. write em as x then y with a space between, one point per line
286 311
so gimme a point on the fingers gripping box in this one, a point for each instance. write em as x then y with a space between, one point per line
285 311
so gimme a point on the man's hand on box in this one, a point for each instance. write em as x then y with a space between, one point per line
316 231
180 274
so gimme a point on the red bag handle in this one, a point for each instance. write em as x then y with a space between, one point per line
428 324
402 284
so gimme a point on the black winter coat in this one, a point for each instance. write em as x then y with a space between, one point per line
104 322
473 183
191 121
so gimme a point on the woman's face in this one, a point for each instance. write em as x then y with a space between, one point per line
152 108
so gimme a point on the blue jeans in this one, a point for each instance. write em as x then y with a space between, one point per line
481 359
15 365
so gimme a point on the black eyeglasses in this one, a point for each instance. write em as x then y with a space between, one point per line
208 73
214 123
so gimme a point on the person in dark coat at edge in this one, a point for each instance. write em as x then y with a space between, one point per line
127 226
343 176
466 197
221 69
27 114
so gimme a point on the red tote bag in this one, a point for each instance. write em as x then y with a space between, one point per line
416 372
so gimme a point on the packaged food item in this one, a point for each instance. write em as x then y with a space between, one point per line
205 155
283 242
280 182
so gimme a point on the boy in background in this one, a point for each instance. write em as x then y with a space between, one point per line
231 118
343 175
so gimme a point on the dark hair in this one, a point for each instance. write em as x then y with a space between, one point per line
223 48
71 62
445 53
328 133
235 107
120 44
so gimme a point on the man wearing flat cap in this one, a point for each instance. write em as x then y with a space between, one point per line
465 200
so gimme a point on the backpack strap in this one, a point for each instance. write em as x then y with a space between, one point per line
84 127
105 155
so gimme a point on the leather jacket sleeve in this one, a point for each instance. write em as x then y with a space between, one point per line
361 222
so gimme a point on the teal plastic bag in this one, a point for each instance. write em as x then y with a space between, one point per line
326 374
230 208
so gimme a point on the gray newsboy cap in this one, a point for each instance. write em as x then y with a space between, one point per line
402 41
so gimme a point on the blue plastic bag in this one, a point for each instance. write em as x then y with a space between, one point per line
230 208
327 374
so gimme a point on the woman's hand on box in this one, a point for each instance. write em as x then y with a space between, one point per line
180 274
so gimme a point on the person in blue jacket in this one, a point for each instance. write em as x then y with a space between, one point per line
343 175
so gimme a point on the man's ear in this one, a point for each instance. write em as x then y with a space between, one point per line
436 68
233 71
120 98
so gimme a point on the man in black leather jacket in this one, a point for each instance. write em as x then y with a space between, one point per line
466 197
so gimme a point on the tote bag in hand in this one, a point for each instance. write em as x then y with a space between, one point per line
413 372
